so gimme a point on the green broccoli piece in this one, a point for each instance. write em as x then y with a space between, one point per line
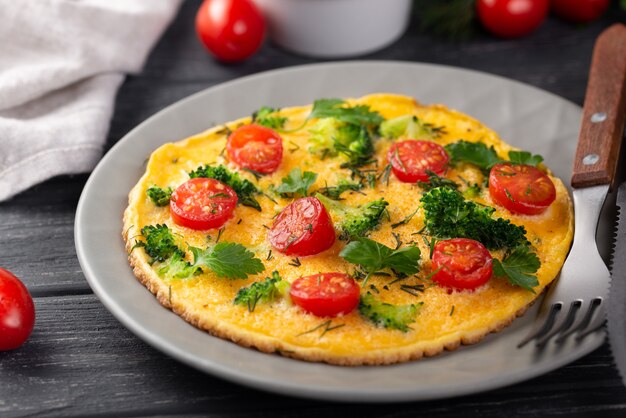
266 291
355 222
266 116
159 242
411 127
331 137
387 315
160 197
449 215
243 187
334 192
436 181
178 268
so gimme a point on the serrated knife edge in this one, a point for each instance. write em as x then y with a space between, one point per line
617 295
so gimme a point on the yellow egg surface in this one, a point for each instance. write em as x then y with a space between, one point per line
445 319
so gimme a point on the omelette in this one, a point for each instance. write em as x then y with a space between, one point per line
350 231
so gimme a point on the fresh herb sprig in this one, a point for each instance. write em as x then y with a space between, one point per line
336 109
478 154
436 181
228 259
296 182
518 267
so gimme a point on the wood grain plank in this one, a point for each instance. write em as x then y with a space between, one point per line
81 362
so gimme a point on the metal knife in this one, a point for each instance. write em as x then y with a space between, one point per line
617 298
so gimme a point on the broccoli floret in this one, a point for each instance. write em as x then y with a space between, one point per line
266 291
330 137
334 192
266 116
409 126
159 243
449 215
436 181
160 197
244 188
387 315
355 222
178 268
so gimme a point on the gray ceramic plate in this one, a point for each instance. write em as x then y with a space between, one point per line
524 116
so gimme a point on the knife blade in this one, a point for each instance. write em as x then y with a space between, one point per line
617 296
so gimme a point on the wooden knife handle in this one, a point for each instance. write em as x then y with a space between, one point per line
604 112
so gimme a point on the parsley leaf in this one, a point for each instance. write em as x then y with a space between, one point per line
160 197
374 256
159 243
243 187
228 259
266 291
476 153
297 182
449 215
387 315
266 116
334 108
525 157
518 267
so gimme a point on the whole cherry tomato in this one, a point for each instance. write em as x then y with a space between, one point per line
202 203
579 11
17 312
232 30
511 18
521 188
325 294
462 263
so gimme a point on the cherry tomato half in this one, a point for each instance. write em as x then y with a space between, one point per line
255 147
17 312
521 188
411 159
304 227
512 18
464 263
579 11
326 294
202 203
232 30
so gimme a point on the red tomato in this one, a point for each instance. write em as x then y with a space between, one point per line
232 30
521 188
202 203
255 147
326 294
17 312
410 160
303 228
465 263
512 18
579 11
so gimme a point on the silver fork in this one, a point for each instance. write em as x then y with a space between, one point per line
576 302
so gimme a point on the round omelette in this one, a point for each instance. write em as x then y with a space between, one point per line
394 302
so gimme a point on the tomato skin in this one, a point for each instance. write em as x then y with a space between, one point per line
232 30
464 263
521 188
194 204
304 227
410 159
17 312
512 18
326 294
579 11
255 147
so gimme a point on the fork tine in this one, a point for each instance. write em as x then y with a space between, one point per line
598 306
545 319
581 323
562 323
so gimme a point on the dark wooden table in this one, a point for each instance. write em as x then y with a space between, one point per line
80 361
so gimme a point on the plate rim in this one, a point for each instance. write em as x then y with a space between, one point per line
267 383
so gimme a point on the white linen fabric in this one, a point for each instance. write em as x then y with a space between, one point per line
61 63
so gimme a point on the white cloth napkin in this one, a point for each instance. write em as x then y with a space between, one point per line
61 63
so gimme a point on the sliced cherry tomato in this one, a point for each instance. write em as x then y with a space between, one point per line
202 203
17 312
579 11
232 30
521 188
512 18
304 227
326 294
411 159
255 147
463 263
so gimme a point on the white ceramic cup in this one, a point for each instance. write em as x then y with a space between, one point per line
335 28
